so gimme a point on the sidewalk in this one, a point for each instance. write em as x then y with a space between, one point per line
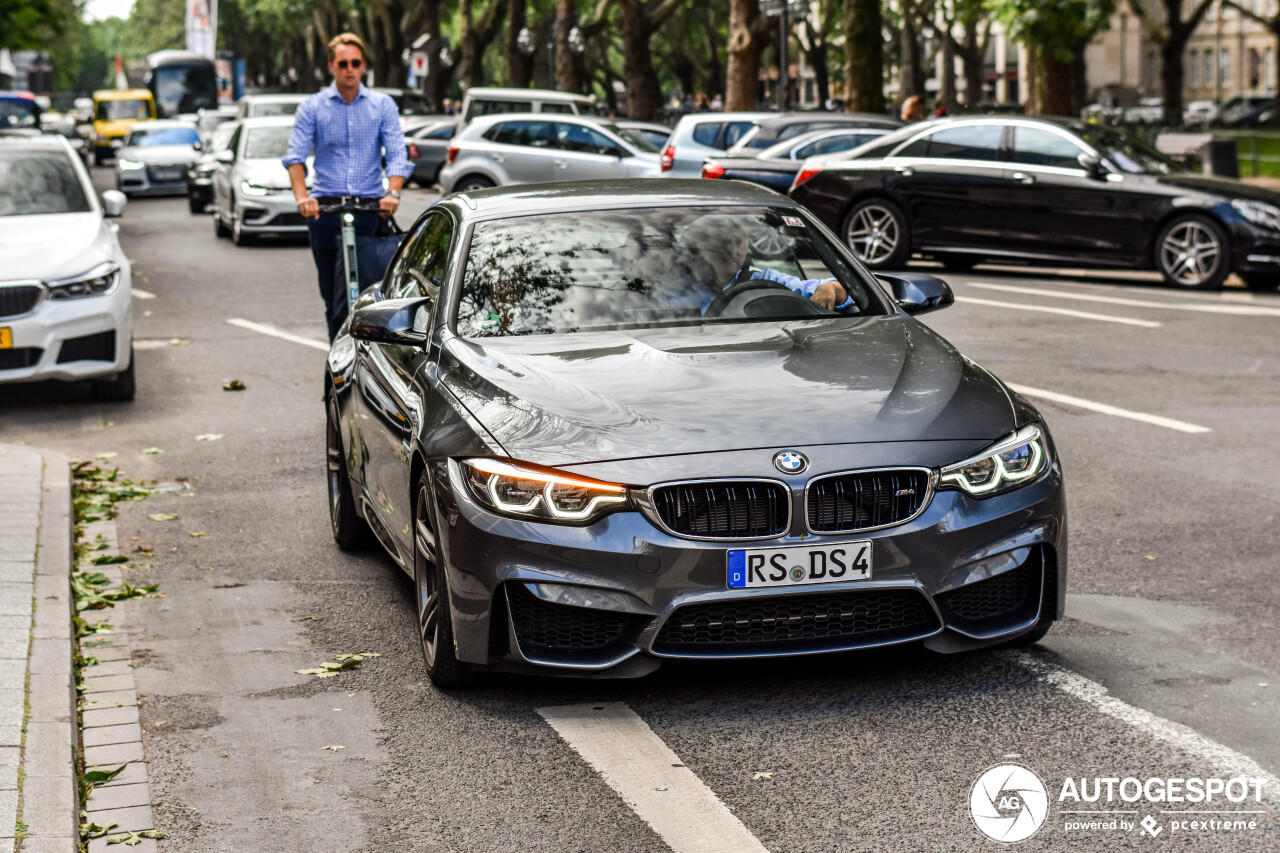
37 771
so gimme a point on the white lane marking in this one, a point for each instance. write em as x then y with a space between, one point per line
636 764
1201 307
1084 315
1176 735
277 333
139 293
1066 399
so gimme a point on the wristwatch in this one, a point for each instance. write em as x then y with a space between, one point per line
394 194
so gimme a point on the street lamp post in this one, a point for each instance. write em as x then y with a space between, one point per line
782 10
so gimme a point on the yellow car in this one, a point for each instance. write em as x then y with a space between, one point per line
114 112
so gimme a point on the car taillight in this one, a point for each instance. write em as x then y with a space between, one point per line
668 158
712 170
805 174
452 154
413 151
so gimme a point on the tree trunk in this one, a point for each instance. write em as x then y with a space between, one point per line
1171 73
519 66
863 57
821 74
947 80
715 68
973 55
643 94
742 78
566 69
910 72
1054 84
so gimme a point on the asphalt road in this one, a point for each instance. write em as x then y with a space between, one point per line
1167 666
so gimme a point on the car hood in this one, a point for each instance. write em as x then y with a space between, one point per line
565 399
268 173
161 155
1223 188
53 246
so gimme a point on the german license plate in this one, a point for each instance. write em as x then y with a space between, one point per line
798 565
6 337
166 174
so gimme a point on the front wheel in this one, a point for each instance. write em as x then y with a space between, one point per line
876 231
219 230
1192 252
120 388
435 621
472 183
349 530
238 235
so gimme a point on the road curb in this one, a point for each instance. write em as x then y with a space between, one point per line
46 782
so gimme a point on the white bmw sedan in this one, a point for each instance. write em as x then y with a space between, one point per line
65 284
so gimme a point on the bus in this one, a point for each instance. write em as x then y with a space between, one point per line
181 82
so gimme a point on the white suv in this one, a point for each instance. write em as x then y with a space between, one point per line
698 136
65 287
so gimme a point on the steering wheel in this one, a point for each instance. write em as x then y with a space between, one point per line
737 294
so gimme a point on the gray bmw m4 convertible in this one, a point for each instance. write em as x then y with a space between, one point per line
603 424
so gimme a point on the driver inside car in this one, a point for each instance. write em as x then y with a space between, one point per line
716 249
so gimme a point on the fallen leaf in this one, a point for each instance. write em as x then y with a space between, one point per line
197 534
109 455
163 516
223 755
762 775
333 747
234 385
178 342
152 451
209 436
329 669
1149 557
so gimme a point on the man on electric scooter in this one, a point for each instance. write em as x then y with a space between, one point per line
350 128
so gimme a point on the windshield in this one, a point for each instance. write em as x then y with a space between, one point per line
637 141
222 137
33 182
18 114
1128 154
264 109
267 143
647 268
114 110
153 137
185 89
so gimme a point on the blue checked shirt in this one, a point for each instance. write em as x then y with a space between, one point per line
349 140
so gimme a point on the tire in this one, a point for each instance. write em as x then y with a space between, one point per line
431 593
120 388
472 183
98 159
219 230
350 531
1260 281
876 231
957 262
1192 252
196 203
238 235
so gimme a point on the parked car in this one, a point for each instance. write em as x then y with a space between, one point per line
264 106
431 141
65 286
200 173
1257 117
779 128
114 114
410 103
19 114
531 148
156 156
1199 113
966 190
698 136
776 167
558 419
654 134
1235 108
491 100
207 121
1148 111
251 191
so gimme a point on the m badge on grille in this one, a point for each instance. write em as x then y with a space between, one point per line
790 461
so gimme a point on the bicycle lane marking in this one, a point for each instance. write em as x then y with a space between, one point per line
1083 315
264 329
650 778
1106 409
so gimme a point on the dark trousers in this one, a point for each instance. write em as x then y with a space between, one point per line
325 235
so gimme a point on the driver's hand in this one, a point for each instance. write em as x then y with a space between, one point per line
389 205
829 294
309 208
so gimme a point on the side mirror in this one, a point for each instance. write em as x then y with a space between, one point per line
1092 165
198 146
226 155
114 202
389 322
918 293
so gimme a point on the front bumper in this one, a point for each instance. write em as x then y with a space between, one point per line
1254 249
169 180
616 598
71 339
271 214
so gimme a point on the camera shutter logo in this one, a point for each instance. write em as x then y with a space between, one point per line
1009 803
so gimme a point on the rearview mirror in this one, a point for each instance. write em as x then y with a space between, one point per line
918 293
1092 165
114 202
389 322
226 155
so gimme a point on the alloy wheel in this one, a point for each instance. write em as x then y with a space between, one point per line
336 472
1190 253
424 575
873 234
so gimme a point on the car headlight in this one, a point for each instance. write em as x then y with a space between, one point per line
543 494
130 165
97 281
1008 464
1258 212
256 189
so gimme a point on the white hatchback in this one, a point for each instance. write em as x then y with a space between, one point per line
65 286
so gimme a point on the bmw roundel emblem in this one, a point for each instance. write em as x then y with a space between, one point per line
790 461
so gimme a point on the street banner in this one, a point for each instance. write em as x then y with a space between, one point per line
122 79
202 26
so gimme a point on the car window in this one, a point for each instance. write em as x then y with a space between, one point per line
37 182
18 114
487 108
735 131
150 138
274 108
705 133
973 142
556 108
112 110
584 140
536 134
1038 147
559 273
831 144
267 143
639 139
222 137
444 131
793 130
421 268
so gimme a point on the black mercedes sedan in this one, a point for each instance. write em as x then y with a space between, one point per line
1008 188
600 430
